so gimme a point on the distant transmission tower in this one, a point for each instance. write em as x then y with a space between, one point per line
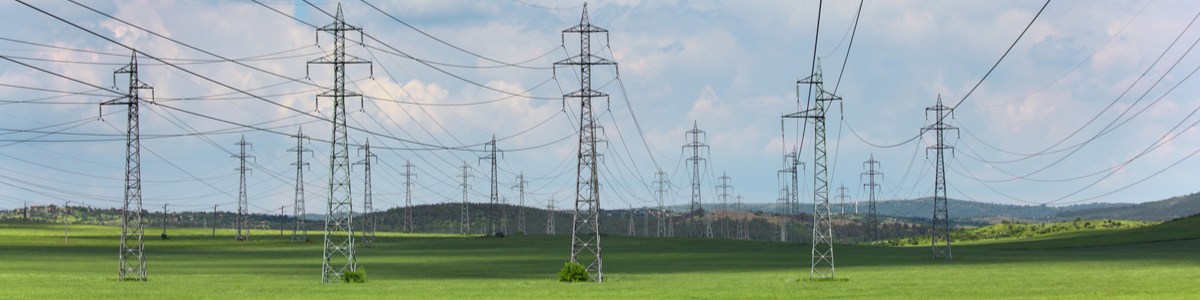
550 216
464 221
339 255
822 245
494 200
407 223
841 196
660 186
369 213
941 214
872 186
131 257
743 224
299 231
632 226
789 191
695 142
521 208
724 194
585 229
242 222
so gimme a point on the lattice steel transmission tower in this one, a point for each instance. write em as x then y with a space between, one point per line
585 229
299 231
724 194
941 214
338 255
464 220
521 208
131 258
822 245
789 191
242 222
841 196
872 186
632 222
369 213
550 216
494 199
697 207
660 186
407 223
743 224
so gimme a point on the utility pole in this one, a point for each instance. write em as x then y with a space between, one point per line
724 187
585 229
941 214
368 216
697 207
242 223
841 196
464 223
550 216
339 229
494 200
131 256
660 186
521 212
407 224
164 221
299 231
214 221
872 186
822 245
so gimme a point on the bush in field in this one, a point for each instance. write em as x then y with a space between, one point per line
573 272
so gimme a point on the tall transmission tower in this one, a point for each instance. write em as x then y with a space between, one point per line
494 200
789 191
299 231
131 257
660 186
521 208
242 222
941 214
338 256
632 226
550 216
407 223
841 196
872 186
464 221
822 245
724 194
369 213
585 228
743 224
695 142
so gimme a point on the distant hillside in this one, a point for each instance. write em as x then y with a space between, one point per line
959 209
1162 210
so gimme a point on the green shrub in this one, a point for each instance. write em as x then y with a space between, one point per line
359 276
573 272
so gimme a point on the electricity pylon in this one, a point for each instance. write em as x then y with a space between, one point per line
521 208
585 229
743 224
724 194
789 191
464 220
242 223
660 186
368 215
697 207
407 223
131 257
494 200
550 216
941 214
338 255
841 196
822 245
872 186
632 226
299 231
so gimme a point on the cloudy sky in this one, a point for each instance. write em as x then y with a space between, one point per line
1093 104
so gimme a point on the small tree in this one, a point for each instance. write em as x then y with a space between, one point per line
573 272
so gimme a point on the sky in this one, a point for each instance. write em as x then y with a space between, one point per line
1092 104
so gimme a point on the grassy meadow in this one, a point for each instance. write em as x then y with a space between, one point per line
1154 262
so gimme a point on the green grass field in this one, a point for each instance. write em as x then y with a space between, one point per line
1155 262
